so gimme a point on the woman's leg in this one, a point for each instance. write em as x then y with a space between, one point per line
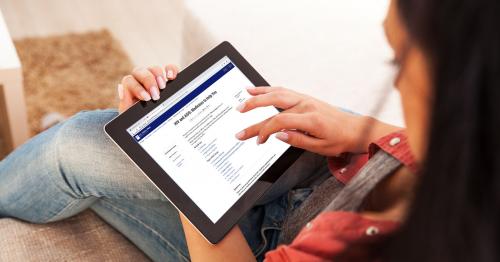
66 169
152 225
74 166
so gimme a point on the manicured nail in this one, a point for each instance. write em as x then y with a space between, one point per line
154 92
240 107
161 82
120 91
240 134
259 140
170 74
282 136
145 96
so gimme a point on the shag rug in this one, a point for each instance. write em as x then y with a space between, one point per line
69 73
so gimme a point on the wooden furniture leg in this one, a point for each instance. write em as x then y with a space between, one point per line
15 126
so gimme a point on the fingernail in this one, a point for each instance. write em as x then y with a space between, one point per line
259 140
145 96
282 136
170 74
161 82
154 92
240 134
240 107
120 91
250 88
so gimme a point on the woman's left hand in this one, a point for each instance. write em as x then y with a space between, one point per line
144 84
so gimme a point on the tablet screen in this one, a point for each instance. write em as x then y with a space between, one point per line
191 135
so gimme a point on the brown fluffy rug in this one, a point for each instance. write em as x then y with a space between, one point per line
70 73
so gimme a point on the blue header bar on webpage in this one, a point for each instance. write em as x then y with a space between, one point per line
183 102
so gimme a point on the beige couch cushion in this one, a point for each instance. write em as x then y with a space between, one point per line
81 238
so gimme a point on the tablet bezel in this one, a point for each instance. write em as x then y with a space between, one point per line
116 130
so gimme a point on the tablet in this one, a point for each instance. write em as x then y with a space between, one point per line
185 142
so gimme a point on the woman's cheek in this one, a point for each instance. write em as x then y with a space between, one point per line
412 119
415 93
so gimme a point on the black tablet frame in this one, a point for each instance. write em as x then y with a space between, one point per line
117 131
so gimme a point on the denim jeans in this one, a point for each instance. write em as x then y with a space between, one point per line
74 166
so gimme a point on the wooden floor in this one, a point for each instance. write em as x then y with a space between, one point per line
149 30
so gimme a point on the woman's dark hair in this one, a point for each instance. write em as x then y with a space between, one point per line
455 215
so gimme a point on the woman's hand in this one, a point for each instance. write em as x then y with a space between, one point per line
310 124
144 84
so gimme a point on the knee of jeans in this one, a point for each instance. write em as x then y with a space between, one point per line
81 144
83 130
82 136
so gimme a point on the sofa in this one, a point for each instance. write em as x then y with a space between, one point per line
331 49
84 237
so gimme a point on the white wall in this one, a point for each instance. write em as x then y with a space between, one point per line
332 49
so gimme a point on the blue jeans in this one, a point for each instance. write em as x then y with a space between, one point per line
74 166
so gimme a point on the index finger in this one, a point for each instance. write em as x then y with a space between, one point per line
279 99
259 90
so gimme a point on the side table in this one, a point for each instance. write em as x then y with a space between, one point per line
13 121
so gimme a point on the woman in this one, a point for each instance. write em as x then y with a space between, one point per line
447 54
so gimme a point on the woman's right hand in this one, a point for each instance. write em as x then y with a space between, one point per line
144 84
310 124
